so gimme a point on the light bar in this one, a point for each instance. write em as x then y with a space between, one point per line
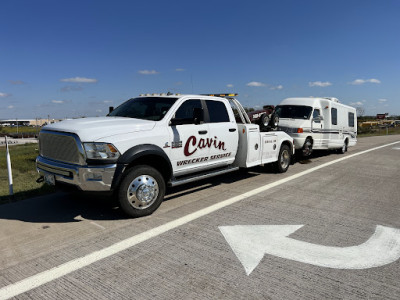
221 95
159 94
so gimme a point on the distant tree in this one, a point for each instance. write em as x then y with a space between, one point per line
248 109
360 111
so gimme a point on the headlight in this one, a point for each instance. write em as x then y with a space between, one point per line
101 151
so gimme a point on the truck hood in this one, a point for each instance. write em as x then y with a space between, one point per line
92 129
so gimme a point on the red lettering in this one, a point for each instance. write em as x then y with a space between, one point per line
193 140
203 143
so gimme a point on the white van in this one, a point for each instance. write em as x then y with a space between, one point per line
318 123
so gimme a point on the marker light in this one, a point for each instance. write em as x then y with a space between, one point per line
299 130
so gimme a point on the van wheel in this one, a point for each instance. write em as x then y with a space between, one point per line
343 149
283 162
141 191
307 148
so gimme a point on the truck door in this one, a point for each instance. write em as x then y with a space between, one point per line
317 128
223 133
188 153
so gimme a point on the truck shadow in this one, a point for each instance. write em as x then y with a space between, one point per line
61 207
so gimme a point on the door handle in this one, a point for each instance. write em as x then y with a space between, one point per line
203 132
232 129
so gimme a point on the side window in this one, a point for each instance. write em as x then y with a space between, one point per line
351 119
316 115
217 111
185 111
334 116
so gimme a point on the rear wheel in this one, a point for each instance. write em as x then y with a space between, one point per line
343 150
283 162
141 191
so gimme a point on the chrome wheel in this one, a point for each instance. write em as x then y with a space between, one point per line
284 159
142 192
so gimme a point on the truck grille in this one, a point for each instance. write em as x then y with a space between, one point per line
60 146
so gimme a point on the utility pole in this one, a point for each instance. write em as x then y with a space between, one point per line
10 180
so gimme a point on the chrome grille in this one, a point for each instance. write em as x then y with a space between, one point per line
60 146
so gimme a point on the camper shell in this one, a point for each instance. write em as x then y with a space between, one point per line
318 123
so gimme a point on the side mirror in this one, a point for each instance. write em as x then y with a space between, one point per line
318 119
198 115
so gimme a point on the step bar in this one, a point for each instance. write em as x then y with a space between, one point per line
188 179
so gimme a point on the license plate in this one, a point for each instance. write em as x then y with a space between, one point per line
49 179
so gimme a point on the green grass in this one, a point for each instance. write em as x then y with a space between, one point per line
23 171
376 131
21 129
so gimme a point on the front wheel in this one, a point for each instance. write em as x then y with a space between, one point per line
307 148
141 191
283 162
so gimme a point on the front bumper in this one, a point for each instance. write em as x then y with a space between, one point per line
86 178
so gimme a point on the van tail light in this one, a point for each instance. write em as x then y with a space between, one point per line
299 130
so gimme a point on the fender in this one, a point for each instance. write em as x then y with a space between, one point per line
135 153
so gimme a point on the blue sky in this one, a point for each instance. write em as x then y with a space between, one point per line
76 58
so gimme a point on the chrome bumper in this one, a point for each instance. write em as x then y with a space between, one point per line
86 178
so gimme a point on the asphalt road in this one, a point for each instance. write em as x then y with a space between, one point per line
67 246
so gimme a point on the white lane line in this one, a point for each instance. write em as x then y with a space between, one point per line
44 277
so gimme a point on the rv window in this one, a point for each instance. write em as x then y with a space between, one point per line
351 119
294 111
334 116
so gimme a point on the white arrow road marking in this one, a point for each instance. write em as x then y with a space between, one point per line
250 243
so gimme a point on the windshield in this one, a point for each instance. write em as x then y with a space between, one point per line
293 111
145 108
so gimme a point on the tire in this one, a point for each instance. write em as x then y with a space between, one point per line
274 121
264 122
283 162
141 191
307 148
343 150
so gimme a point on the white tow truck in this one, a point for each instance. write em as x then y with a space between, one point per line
154 141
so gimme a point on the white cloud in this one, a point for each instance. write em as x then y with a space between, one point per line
319 83
382 100
57 101
362 81
358 103
148 72
277 87
10 106
179 70
99 110
3 95
107 101
79 80
256 83
230 85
